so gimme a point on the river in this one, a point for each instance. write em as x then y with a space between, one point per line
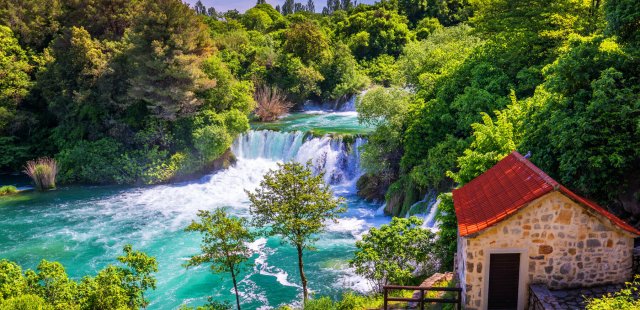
86 227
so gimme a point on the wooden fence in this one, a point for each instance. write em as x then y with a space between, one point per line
422 299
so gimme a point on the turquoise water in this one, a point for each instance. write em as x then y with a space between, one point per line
85 228
318 122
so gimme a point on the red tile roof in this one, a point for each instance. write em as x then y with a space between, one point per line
507 187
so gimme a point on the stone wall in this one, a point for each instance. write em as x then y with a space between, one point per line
565 245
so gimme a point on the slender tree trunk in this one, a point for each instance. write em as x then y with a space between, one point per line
303 278
235 287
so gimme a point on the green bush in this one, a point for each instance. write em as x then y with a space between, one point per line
116 287
25 302
624 299
8 190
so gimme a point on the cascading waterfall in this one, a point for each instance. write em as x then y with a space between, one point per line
338 159
426 209
340 105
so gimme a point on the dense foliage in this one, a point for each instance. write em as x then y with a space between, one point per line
115 287
395 253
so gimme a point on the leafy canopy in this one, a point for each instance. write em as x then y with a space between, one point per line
295 204
392 253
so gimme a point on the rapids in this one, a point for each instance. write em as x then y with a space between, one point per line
85 227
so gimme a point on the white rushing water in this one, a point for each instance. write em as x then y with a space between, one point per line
426 210
340 161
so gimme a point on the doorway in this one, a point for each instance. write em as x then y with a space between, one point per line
504 279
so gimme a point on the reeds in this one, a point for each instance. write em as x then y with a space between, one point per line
271 103
43 172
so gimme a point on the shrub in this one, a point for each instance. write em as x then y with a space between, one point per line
272 103
8 190
394 253
25 302
43 172
95 162
624 299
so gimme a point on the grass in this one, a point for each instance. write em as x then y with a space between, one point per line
43 172
8 190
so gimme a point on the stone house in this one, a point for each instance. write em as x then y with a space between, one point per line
517 227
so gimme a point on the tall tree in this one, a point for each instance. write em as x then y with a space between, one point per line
211 11
170 42
224 244
35 23
103 19
306 40
200 8
15 82
287 7
346 5
311 6
296 205
261 2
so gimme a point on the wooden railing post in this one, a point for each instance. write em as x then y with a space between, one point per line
385 298
460 300
421 299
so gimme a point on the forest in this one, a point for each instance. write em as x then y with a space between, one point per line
148 92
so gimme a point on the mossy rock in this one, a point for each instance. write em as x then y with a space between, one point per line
371 187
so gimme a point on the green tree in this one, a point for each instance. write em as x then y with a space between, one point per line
200 8
386 109
390 254
257 19
307 41
427 26
296 205
224 244
35 23
287 7
70 86
15 81
585 131
623 299
623 19
138 276
170 43
375 32
49 287
492 141
103 19
446 243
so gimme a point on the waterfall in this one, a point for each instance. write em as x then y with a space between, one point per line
345 104
340 160
426 209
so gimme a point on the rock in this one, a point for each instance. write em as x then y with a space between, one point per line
565 268
371 187
545 249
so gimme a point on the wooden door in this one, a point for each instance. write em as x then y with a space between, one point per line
504 278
